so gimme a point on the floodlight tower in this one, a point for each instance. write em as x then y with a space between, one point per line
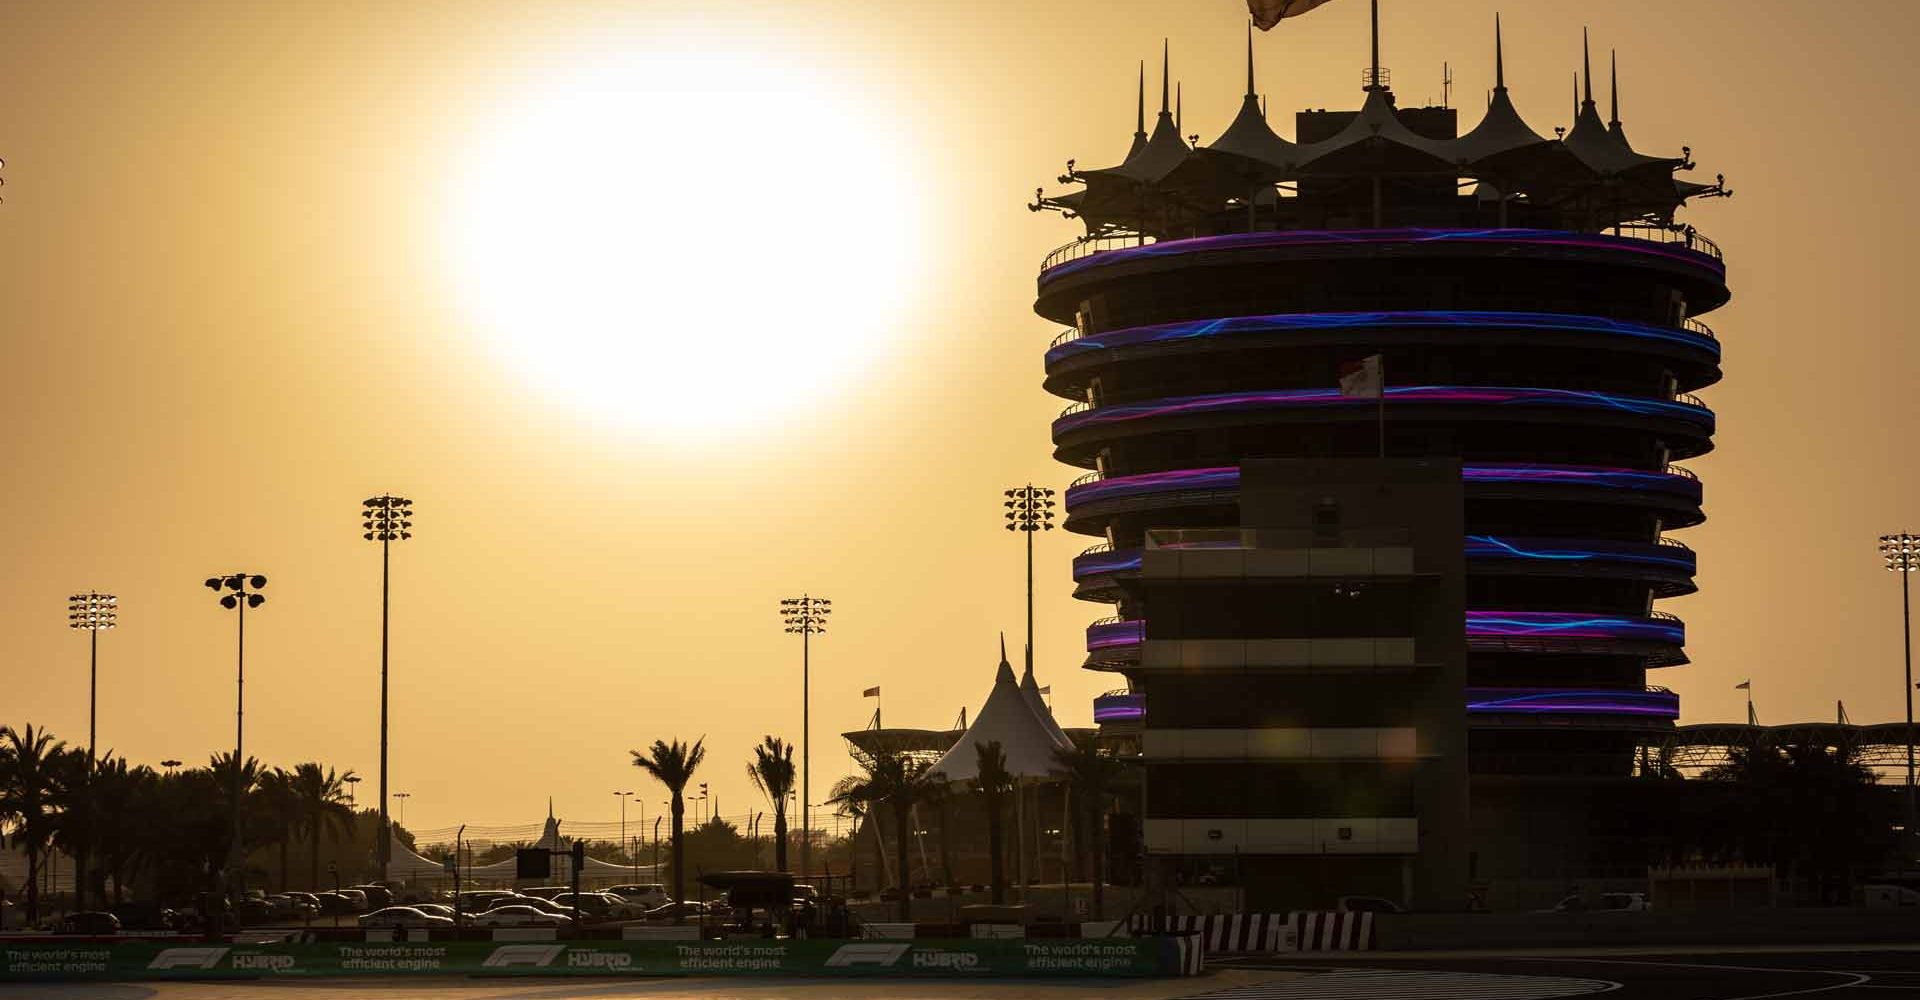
243 593
1902 554
92 613
386 519
1029 510
806 615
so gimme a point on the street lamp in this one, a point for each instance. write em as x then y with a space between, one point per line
92 613
353 785
806 615
169 765
1029 510
623 816
403 797
242 592
1902 554
386 519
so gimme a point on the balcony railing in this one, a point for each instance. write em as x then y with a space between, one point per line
1662 616
1275 538
1091 477
1674 543
1689 399
1685 236
1682 471
1693 325
1097 548
1073 408
1072 333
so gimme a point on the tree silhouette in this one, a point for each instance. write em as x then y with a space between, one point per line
1091 773
995 782
772 773
673 764
30 791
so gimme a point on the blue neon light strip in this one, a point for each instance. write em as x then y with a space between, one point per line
1226 478
1525 701
1479 547
1503 396
1424 319
1493 237
1119 708
1485 629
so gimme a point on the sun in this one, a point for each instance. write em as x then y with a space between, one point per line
688 240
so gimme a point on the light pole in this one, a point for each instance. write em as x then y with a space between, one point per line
623 816
92 613
1029 510
403 797
1902 554
806 615
169 765
353 785
244 593
386 519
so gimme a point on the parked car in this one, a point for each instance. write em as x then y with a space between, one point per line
646 896
544 891
1367 904
518 915
479 900
600 906
94 923
1606 902
378 896
356 897
1886 897
434 909
404 916
687 908
334 903
143 915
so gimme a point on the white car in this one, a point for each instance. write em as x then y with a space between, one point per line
515 915
646 897
404 916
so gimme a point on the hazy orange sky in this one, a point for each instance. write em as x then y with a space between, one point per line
235 308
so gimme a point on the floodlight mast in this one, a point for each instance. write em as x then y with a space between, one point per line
1901 551
385 519
1029 510
92 613
244 593
807 616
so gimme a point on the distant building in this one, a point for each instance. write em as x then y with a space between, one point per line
1514 316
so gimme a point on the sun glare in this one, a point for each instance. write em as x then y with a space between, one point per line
688 240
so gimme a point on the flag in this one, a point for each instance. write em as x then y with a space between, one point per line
1267 13
1047 690
1743 686
1365 378
872 692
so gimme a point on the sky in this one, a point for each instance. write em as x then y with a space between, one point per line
662 312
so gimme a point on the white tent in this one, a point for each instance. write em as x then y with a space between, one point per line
405 864
1008 719
1030 693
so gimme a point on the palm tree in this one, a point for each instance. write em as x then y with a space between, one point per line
772 773
122 837
280 804
1091 774
320 798
899 783
995 782
846 803
29 792
673 764
77 822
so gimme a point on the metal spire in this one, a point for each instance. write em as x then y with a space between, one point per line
1499 58
1586 66
1249 58
1613 57
1374 80
1163 76
1140 115
1176 107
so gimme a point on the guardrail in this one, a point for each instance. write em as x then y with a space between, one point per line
1073 408
1072 333
1700 328
1662 616
1091 477
1682 471
1087 246
1689 399
1097 548
1684 235
1674 543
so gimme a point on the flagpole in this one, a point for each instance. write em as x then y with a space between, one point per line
1382 407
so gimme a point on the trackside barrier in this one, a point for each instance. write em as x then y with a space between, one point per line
945 958
1320 931
1226 933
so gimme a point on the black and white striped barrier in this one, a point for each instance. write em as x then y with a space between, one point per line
1224 933
1311 930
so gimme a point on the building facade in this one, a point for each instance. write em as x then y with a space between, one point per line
1533 305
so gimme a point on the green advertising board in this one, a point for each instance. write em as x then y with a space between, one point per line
957 958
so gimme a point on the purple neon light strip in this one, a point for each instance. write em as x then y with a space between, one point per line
1396 319
1518 237
1493 628
1521 701
1227 478
1120 708
1228 402
1479 547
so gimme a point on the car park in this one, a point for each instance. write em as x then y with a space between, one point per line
685 909
404 916
378 896
356 897
478 900
598 905
543 891
519 915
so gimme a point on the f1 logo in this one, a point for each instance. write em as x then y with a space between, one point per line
523 954
187 958
875 953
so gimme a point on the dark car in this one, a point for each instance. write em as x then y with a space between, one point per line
94 923
144 915
686 909
378 896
